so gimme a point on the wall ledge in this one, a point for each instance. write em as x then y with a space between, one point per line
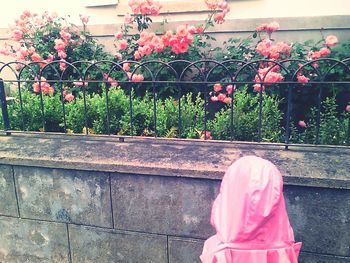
332 22
300 165
307 23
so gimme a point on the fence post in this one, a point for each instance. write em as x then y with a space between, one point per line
5 114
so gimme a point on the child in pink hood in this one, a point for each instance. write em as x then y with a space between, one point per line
250 217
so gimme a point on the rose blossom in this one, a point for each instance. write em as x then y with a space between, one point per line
324 52
217 87
122 44
128 19
229 89
62 54
119 34
258 87
118 55
84 19
126 66
222 97
207 135
69 97
263 47
302 79
272 27
17 35
214 98
302 124
331 41
219 17
227 100
268 28
36 57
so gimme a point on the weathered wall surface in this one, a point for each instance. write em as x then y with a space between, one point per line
91 208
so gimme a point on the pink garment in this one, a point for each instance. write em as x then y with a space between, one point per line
250 217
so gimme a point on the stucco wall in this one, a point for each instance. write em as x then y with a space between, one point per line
179 9
299 20
99 199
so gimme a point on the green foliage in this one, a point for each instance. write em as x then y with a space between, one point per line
118 104
333 126
40 39
246 118
30 117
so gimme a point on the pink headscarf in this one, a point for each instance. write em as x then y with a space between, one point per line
250 217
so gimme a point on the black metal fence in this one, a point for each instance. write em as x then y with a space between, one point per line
178 77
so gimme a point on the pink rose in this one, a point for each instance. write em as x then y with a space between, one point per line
302 124
65 35
192 29
69 97
211 4
36 87
263 47
324 52
229 89
227 100
128 19
26 13
146 50
331 41
258 87
113 82
272 27
159 48
62 54
137 55
347 108
217 87
268 28
214 98
219 17
17 35
155 8
122 44
199 30
119 35
84 19
206 135
136 77
80 83
118 55
36 57
182 30
314 54
60 45
126 66
262 27
63 65
222 97
302 79
18 67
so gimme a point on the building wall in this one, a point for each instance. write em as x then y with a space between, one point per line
299 20
105 12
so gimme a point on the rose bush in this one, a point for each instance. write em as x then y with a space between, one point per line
48 38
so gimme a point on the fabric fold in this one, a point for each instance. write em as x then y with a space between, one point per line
250 217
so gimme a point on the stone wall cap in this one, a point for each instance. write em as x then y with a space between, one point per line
303 165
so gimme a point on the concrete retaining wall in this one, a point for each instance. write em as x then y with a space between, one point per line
55 209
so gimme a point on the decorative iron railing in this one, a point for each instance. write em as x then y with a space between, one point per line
176 78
